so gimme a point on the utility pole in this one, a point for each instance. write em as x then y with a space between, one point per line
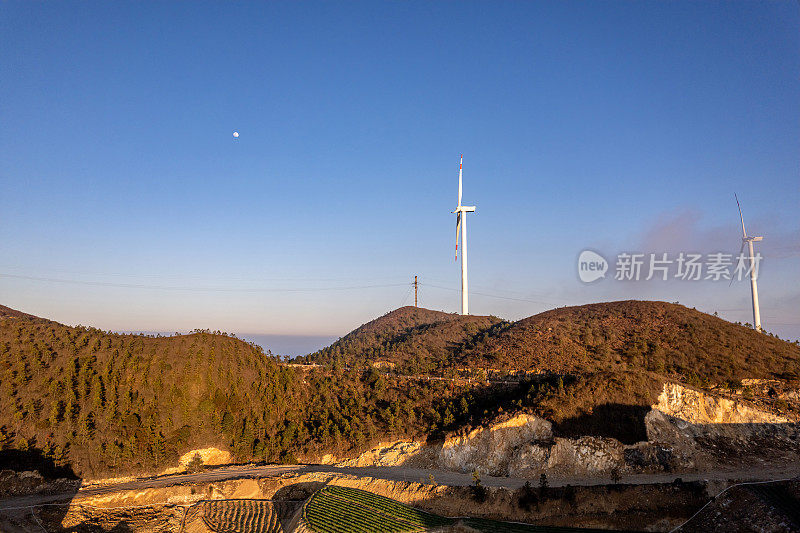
415 291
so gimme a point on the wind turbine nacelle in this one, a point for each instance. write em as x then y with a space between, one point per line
465 208
758 238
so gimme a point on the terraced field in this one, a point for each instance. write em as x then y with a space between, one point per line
245 516
335 509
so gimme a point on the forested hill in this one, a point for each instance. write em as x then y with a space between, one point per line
636 335
417 339
632 335
107 403
116 404
107 399
7 312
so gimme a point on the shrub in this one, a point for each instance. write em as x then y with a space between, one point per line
196 464
543 485
526 497
479 492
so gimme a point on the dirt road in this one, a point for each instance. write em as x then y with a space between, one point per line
393 473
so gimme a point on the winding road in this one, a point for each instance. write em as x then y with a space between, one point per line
391 473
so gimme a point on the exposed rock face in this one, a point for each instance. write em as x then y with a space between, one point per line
568 457
524 446
149 519
30 482
686 429
490 450
792 395
652 457
699 408
210 456
385 454
700 428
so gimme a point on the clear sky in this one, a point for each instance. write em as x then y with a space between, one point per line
127 204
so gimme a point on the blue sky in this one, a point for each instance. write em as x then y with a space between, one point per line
602 125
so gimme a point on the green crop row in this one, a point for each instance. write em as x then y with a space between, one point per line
336 509
354 518
334 521
389 507
325 513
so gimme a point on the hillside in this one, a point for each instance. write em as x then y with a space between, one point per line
635 335
418 340
107 403
660 337
7 312
104 399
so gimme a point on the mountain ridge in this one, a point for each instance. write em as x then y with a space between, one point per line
413 337
609 336
111 403
658 336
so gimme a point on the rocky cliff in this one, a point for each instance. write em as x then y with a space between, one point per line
686 430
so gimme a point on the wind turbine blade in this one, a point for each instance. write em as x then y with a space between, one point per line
741 249
460 167
458 229
744 233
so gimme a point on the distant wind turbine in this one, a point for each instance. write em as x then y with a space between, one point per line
753 285
461 226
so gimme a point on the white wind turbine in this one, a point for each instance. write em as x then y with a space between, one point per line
753 274
461 226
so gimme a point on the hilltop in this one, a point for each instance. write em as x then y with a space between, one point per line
660 337
635 335
416 339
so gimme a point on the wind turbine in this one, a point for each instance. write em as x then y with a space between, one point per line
461 226
753 286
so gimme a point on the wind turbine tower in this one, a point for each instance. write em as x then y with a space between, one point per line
461 227
753 274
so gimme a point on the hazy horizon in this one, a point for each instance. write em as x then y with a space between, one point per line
291 345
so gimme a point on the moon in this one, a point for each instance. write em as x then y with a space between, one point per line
235 134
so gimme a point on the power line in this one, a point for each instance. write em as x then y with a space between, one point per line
493 295
196 289
408 293
414 285
187 276
473 285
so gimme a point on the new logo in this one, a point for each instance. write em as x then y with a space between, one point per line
591 266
